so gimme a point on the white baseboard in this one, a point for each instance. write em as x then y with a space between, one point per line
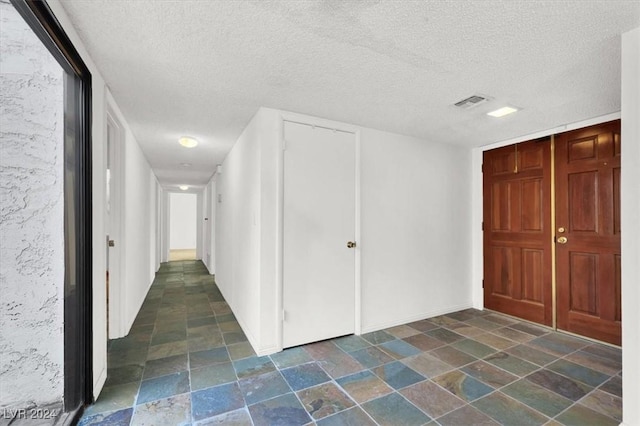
99 383
412 318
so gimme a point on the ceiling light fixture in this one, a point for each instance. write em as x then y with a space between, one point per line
188 142
186 164
501 112
184 187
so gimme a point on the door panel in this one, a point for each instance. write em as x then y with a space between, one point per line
588 207
319 220
517 213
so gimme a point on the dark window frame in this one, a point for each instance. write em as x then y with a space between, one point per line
78 327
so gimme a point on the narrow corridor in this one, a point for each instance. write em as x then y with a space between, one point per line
186 361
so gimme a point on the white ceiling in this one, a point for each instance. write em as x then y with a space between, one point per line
203 68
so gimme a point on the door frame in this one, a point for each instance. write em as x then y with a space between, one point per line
477 273
279 293
78 291
117 323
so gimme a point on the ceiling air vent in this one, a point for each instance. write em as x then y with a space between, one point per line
471 101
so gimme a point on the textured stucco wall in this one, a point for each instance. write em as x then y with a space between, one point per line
31 218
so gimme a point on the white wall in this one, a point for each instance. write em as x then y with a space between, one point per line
137 203
237 260
415 206
630 199
415 229
183 221
31 218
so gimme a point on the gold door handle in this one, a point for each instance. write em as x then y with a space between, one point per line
351 244
562 240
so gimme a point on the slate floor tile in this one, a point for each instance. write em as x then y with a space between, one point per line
423 342
377 337
604 403
351 417
537 397
579 415
431 398
164 366
185 323
239 417
452 356
444 335
509 411
393 409
282 410
324 400
489 374
371 357
291 357
399 349
426 365
351 343
511 363
204 358
216 400
559 384
364 386
212 375
113 418
473 348
463 386
397 375
467 415
175 410
163 387
265 386
578 372
305 375
253 366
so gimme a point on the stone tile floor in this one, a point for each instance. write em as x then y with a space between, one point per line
187 362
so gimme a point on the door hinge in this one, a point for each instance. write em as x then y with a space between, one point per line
482 167
483 226
482 283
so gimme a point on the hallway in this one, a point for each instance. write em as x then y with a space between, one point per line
186 361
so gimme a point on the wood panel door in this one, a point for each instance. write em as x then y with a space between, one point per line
517 230
588 234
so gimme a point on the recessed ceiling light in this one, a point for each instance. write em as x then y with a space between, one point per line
184 187
188 142
502 112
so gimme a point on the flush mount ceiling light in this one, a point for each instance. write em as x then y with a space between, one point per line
186 164
501 112
187 142
184 187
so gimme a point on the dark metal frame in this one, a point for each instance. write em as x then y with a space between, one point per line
78 329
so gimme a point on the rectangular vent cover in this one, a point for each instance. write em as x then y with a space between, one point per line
471 101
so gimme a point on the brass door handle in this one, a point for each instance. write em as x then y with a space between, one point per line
351 244
562 240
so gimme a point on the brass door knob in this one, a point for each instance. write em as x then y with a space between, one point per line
561 230
562 240
351 244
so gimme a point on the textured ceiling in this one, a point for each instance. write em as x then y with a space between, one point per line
203 68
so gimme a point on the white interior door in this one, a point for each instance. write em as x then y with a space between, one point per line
319 221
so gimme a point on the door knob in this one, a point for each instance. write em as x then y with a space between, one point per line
351 244
561 230
562 240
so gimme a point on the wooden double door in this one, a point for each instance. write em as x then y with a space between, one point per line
552 231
